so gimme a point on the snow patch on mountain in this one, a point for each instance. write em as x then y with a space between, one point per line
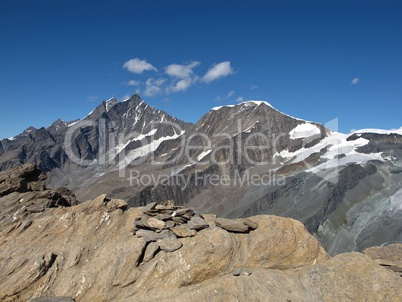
336 145
219 107
145 150
379 131
110 103
258 103
122 145
73 123
244 104
203 154
304 131
178 170
248 130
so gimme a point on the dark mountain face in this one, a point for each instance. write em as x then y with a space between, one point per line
85 141
236 161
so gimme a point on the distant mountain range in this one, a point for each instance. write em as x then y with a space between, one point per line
236 161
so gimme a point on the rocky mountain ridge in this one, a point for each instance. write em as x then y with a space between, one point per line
87 252
236 161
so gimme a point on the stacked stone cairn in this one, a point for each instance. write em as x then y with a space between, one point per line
161 226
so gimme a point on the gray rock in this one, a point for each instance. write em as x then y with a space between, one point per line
138 224
197 223
151 250
147 235
170 224
178 220
163 216
187 216
165 207
144 220
150 206
230 225
166 234
151 213
184 211
183 231
169 244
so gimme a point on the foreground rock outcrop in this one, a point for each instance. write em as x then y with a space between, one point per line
389 256
23 193
90 252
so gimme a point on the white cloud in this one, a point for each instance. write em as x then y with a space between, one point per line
252 87
231 92
181 85
355 81
92 98
153 87
133 83
240 99
151 91
178 77
138 66
218 98
183 76
181 71
160 81
220 70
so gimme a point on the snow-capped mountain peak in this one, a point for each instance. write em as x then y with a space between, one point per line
246 103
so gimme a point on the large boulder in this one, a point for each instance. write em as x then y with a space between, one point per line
23 193
22 179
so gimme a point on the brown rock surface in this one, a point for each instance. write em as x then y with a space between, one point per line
232 225
23 193
156 223
22 179
151 250
95 255
346 277
183 231
88 252
389 256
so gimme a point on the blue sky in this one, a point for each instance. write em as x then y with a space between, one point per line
317 60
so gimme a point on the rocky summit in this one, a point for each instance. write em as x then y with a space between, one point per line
54 248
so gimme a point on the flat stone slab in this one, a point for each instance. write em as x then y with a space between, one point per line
155 223
170 224
150 251
169 244
153 236
230 225
150 206
183 231
197 223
